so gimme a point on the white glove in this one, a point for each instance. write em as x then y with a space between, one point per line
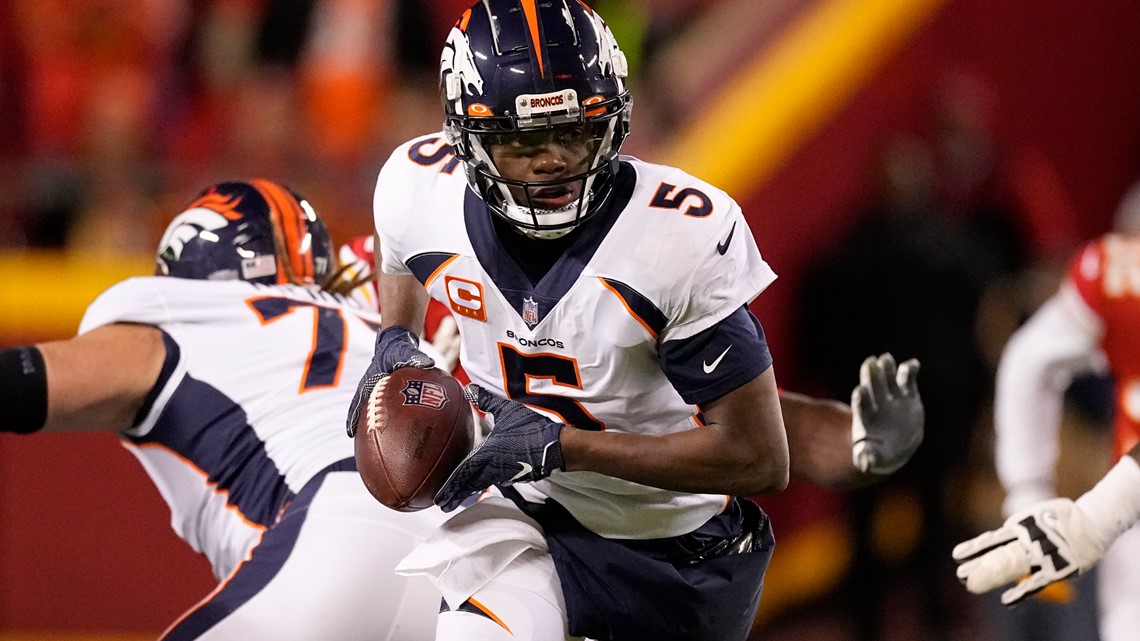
1044 544
887 415
1052 540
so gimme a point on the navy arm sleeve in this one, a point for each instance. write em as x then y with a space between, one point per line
708 365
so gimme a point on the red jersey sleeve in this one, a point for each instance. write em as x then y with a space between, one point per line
1086 274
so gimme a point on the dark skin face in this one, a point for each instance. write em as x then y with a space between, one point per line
543 156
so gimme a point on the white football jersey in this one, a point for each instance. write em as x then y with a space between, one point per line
668 257
251 403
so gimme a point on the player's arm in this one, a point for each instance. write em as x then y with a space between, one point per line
739 448
819 439
96 381
845 446
742 448
1036 366
403 298
404 303
1053 539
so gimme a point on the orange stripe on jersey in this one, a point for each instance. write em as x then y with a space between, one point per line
213 487
463 20
439 270
221 586
305 385
531 12
491 615
629 309
290 218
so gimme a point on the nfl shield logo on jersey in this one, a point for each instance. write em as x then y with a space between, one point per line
530 312
425 394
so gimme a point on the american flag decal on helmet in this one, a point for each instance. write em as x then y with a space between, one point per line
424 394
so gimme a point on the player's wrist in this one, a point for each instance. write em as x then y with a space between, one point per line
1113 504
552 459
397 333
398 346
1026 495
23 390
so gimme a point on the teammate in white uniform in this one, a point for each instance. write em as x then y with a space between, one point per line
611 296
228 377
1091 323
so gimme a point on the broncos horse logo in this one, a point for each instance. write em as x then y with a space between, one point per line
208 214
609 54
457 68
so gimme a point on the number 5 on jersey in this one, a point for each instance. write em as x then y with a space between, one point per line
520 368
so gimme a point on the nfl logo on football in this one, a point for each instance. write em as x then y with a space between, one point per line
530 312
424 394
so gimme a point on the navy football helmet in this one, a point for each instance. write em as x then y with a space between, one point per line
254 230
525 71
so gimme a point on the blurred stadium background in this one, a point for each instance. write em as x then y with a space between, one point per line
915 170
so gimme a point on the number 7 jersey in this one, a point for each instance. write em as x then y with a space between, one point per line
618 335
250 404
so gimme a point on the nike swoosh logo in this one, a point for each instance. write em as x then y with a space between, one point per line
526 469
723 247
709 367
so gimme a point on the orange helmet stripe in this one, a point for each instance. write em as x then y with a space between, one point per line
290 219
531 12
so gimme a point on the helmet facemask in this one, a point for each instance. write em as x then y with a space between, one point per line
589 146
534 206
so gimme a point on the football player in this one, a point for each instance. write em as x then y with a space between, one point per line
358 273
227 375
1091 323
603 304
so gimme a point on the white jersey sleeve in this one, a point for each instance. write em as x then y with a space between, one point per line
730 274
422 172
1036 366
135 300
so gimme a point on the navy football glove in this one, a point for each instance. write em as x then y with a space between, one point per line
522 447
396 347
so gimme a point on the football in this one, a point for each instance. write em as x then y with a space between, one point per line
413 432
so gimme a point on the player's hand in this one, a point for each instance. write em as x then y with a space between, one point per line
396 347
887 415
522 447
1037 546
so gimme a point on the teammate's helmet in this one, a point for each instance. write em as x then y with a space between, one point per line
515 67
254 230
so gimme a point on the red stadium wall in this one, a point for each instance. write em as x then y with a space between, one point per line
1063 82
84 538
85 541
